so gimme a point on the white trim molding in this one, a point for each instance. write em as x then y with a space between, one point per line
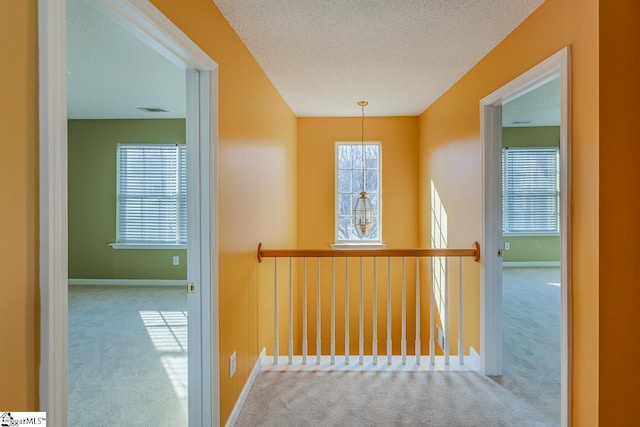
134 246
398 364
556 66
344 246
126 282
474 356
525 264
237 408
491 262
52 58
148 24
532 234
352 244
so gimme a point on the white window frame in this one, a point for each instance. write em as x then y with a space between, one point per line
179 217
505 196
357 243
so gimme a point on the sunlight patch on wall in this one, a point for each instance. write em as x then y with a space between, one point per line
438 240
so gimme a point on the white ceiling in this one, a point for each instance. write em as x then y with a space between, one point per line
540 107
111 73
322 56
400 55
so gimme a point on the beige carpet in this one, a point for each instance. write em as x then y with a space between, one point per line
527 395
127 366
531 338
381 399
127 356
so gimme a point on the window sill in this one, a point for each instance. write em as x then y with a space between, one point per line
143 246
533 234
344 246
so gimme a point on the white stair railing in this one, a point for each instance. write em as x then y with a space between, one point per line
438 274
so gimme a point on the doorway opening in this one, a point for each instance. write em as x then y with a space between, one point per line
127 306
550 73
149 25
531 249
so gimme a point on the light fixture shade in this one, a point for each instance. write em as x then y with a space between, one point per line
363 215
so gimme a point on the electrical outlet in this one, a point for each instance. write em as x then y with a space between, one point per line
176 260
507 246
232 364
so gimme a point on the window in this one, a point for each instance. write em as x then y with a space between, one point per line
530 190
349 181
151 194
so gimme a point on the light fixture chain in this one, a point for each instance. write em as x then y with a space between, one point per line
363 210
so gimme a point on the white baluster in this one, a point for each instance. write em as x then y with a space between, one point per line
290 315
375 313
333 311
460 340
361 318
403 342
432 343
389 343
275 311
446 311
346 313
304 313
318 319
418 344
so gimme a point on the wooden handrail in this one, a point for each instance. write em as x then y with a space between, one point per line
339 253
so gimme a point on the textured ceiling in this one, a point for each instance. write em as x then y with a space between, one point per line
540 107
400 55
110 73
322 55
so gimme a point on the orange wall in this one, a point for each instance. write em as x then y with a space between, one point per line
619 211
449 131
19 294
316 220
257 168
257 176
450 156
316 158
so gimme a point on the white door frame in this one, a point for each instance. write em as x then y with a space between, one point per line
149 25
491 276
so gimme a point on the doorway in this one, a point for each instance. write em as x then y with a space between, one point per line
157 31
531 249
555 67
127 306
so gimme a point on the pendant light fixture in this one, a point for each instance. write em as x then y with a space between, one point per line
363 211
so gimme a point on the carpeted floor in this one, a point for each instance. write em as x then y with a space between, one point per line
383 398
127 356
527 395
531 338
128 366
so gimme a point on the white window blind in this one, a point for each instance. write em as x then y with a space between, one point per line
152 194
349 158
530 190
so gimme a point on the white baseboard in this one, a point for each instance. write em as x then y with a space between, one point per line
475 358
531 264
382 365
127 282
245 390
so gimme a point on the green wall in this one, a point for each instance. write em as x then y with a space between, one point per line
541 136
92 201
531 248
